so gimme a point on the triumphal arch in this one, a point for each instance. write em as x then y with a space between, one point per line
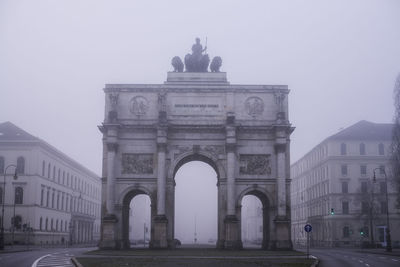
241 131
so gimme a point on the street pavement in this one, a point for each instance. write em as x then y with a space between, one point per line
334 257
39 257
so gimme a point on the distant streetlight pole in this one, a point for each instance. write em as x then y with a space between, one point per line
2 210
388 239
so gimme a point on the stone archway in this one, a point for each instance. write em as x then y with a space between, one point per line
267 213
210 160
125 214
242 131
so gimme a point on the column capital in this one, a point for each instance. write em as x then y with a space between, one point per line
280 148
161 147
112 147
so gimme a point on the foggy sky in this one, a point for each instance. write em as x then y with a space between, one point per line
340 59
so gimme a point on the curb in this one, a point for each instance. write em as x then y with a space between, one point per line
76 262
316 261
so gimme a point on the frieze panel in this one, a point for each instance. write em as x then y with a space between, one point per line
255 164
254 106
139 105
137 163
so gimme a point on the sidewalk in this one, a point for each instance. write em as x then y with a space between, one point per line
382 251
19 248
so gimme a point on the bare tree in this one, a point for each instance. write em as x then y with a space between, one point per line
396 139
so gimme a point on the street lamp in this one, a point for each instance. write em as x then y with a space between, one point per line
2 210
388 239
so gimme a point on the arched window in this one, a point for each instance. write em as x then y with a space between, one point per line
20 165
19 195
343 149
43 167
362 149
381 149
1 165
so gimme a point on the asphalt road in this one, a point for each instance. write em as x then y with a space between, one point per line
353 258
27 258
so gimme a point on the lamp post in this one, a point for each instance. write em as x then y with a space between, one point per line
2 210
388 239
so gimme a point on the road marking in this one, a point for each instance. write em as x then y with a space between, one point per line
367 264
361 261
36 261
394 260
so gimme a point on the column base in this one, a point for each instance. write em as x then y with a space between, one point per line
160 232
283 240
232 240
108 240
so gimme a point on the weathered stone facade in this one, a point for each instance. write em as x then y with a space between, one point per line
242 131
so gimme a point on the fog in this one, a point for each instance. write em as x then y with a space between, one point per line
339 58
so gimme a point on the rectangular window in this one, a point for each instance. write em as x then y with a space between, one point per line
364 187
344 170
364 207
383 207
346 231
343 149
382 187
363 170
345 207
345 187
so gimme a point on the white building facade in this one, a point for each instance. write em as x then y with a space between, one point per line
333 189
54 199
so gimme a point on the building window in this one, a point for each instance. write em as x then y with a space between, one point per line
382 187
1 165
381 149
343 149
364 187
40 224
61 227
52 200
364 207
43 167
345 207
344 170
57 225
48 198
346 231
48 171
383 207
42 197
47 224
363 170
54 172
51 225
20 165
345 187
362 149
1 195
382 170
19 195
17 222
58 201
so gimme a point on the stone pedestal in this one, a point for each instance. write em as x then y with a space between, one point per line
283 240
232 240
109 239
160 232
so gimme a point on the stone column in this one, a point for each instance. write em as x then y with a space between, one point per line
111 153
161 179
232 234
282 220
160 220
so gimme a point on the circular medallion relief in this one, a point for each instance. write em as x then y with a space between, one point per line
254 106
139 105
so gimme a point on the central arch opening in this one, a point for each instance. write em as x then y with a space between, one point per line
196 204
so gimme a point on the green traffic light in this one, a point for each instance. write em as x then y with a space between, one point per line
332 211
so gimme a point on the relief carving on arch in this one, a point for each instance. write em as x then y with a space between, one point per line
251 164
213 150
137 163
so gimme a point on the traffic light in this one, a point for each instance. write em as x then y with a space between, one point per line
362 232
332 211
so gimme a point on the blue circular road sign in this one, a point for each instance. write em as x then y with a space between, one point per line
308 228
